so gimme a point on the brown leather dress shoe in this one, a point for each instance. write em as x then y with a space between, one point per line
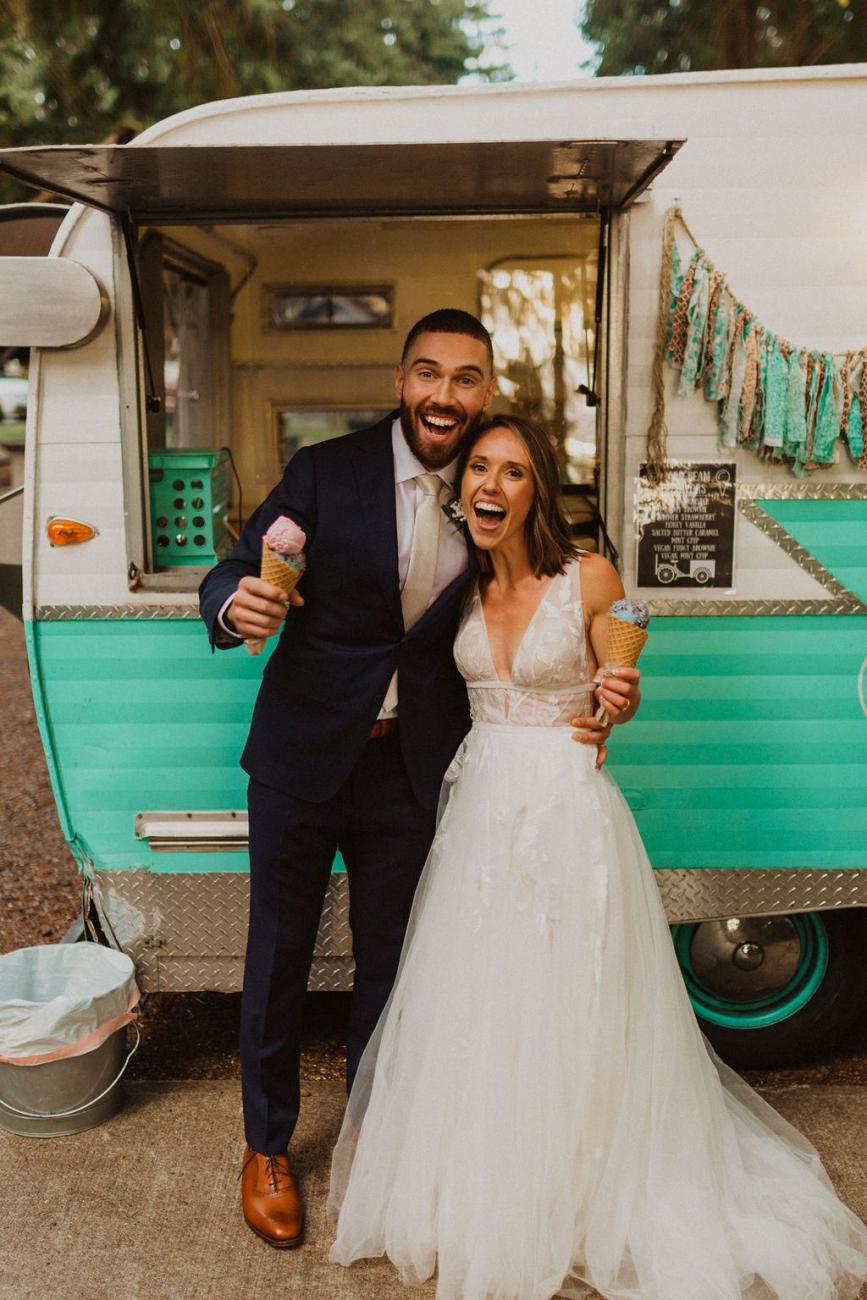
271 1200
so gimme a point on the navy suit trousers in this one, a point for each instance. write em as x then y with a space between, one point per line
384 835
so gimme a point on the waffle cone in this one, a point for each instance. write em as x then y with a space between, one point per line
285 572
625 642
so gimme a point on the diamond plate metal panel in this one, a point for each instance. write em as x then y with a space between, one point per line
82 613
710 895
790 546
188 932
746 608
805 490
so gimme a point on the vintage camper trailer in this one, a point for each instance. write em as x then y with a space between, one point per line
237 282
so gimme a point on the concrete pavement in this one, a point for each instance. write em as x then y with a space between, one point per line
145 1207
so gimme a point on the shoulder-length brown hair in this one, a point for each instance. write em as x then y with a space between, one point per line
546 529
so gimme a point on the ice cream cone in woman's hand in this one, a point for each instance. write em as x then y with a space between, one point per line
627 633
283 563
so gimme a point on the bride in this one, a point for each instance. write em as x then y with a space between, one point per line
537 1108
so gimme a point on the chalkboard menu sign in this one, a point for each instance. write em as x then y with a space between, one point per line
685 526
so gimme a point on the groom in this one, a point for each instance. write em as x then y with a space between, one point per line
360 711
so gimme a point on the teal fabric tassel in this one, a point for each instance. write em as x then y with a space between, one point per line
697 318
801 456
776 383
795 429
855 427
717 349
730 413
828 411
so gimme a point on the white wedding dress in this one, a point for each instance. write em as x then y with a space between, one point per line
537 1107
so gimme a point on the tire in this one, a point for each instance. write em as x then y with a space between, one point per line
811 992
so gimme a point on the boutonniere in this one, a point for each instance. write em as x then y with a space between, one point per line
454 512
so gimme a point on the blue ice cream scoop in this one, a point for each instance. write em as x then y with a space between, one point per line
631 611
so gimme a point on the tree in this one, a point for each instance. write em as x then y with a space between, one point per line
91 70
639 36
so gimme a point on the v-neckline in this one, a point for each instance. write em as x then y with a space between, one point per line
510 680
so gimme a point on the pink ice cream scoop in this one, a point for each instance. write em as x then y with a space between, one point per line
283 563
285 537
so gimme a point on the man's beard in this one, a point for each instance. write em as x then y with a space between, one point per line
435 456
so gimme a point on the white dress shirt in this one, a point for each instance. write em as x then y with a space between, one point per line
452 553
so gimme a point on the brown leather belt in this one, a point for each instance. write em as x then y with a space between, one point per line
383 727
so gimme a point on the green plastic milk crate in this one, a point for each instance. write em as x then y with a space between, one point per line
189 491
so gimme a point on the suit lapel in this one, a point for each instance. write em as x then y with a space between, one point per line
374 467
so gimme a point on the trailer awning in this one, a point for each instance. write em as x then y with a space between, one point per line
166 184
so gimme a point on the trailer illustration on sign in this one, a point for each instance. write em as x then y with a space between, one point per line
701 571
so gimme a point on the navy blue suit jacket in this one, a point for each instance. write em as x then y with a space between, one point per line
326 680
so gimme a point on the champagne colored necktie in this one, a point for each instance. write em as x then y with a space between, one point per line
420 584
421 575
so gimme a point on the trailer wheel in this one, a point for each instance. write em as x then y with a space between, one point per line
775 990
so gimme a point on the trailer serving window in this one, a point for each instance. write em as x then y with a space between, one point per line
512 234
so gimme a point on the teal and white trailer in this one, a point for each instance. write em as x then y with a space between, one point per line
237 282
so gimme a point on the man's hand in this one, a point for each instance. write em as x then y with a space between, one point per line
619 694
259 608
591 732
621 697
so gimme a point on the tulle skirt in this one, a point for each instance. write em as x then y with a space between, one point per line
537 1107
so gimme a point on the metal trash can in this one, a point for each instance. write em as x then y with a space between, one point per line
64 1009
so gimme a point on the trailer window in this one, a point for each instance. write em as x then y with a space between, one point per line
539 311
327 307
296 427
187 374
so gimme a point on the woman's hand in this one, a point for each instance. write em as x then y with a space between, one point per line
259 608
618 693
591 732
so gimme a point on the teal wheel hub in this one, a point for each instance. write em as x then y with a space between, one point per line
752 972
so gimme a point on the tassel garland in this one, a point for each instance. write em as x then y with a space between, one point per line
787 404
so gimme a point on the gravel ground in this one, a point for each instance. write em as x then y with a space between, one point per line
190 1035
38 878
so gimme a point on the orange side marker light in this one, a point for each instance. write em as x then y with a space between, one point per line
68 532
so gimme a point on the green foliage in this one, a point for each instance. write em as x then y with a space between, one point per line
645 36
91 70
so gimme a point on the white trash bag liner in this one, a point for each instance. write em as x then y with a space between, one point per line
62 999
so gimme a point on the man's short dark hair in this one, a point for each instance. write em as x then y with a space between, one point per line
450 320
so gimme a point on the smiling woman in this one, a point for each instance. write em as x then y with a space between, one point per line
510 486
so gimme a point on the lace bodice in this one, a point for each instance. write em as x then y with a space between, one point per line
550 672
